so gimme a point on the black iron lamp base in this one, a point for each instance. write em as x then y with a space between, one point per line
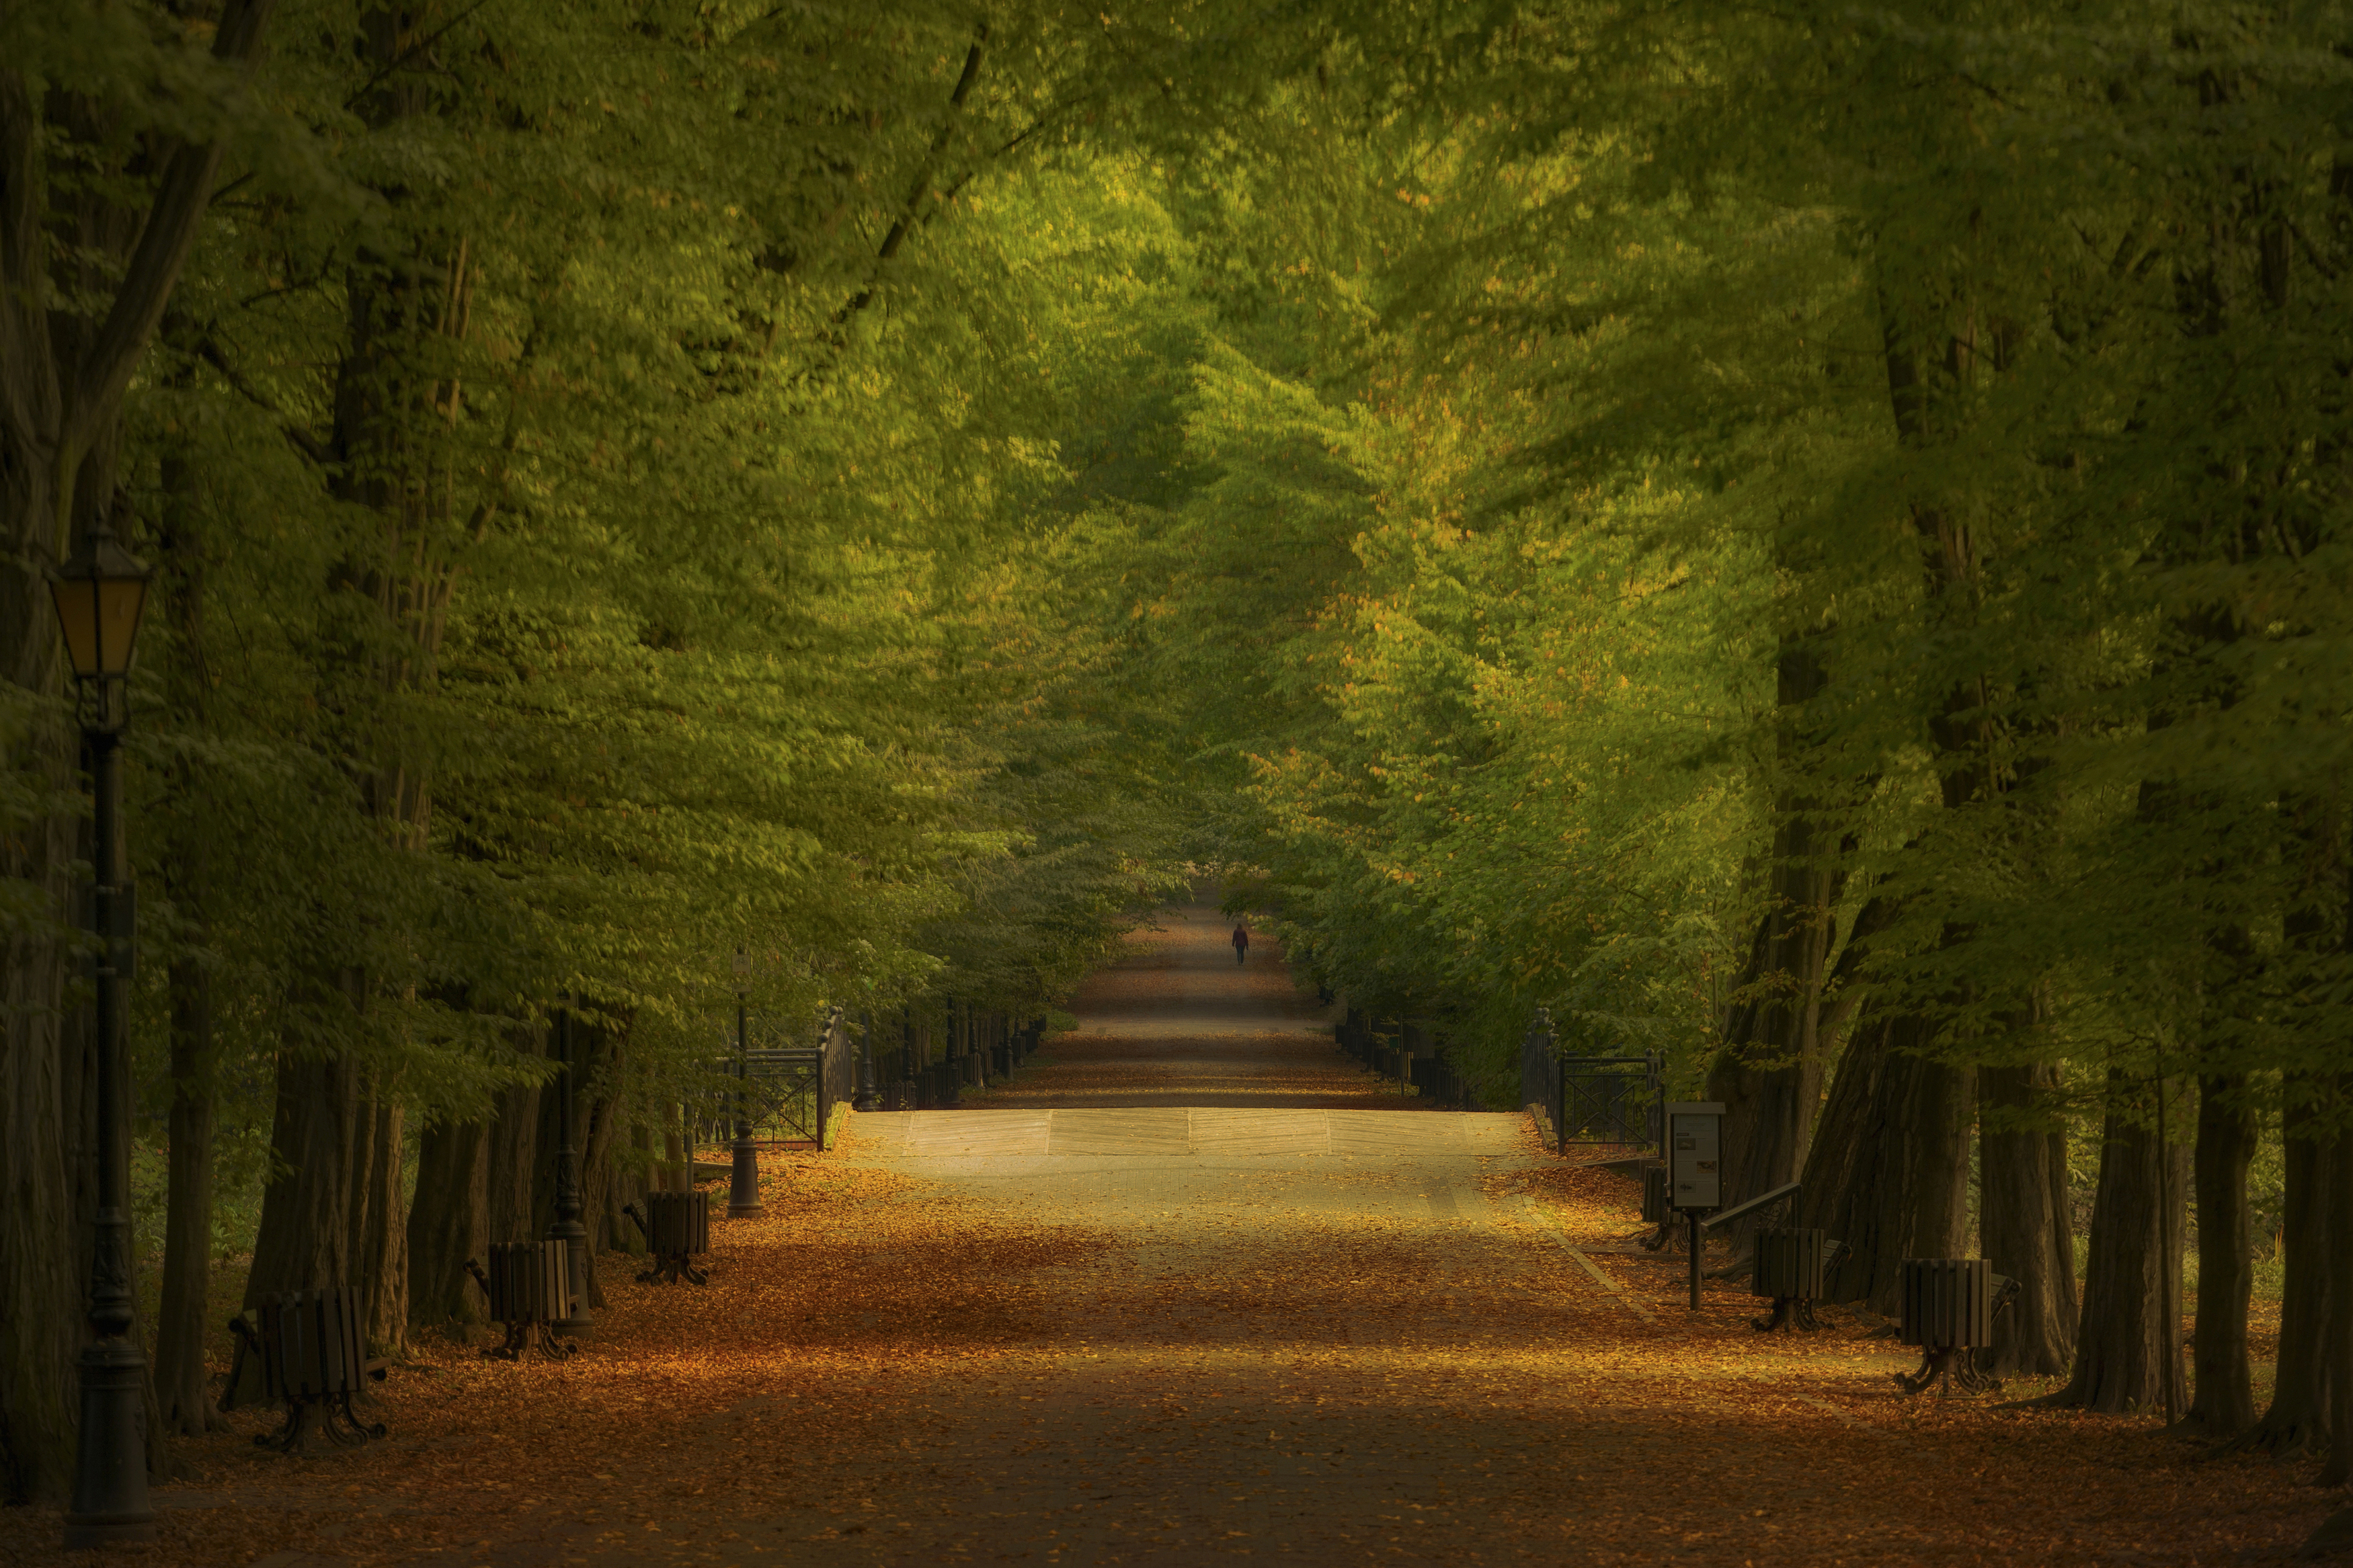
110 1495
743 1181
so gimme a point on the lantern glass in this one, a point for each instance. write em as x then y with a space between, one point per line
77 602
98 598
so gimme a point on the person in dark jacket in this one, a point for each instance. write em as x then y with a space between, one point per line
1241 942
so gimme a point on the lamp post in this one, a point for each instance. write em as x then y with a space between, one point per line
99 595
567 1228
744 1188
865 1100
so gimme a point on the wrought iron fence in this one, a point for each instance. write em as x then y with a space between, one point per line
786 1092
1405 1051
1613 1102
1437 1081
976 1050
1601 1102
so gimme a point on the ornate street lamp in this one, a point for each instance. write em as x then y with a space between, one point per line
99 595
744 1189
567 1228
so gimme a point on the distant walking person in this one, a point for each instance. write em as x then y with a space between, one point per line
1241 944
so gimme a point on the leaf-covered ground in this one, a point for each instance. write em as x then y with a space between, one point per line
1327 1359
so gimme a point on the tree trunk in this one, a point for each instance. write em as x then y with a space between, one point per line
602 1188
2298 1420
2337 1248
305 1238
41 1291
514 1155
182 1316
185 1308
2128 1348
1768 1076
1888 1172
449 1223
548 1136
596 1188
380 1226
2024 1216
65 367
2224 1400
626 1185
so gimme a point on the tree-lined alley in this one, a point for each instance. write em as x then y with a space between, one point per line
1809 540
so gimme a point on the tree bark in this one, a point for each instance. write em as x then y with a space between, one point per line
2223 1398
548 1135
2297 1419
1768 1074
2025 1217
603 1188
2338 1247
677 1158
628 1184
1888 1172
2128 1347
449 1223
305 1238
185 1306
514 1155
380 1226
188 871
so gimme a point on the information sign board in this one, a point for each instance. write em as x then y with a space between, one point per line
1695 1137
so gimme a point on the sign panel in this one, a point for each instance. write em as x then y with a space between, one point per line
1694 1133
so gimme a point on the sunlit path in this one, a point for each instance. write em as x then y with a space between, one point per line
1179 1023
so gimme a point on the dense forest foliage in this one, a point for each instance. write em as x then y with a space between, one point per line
1809 540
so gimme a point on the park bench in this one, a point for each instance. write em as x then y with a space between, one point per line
530 1288
677 1228
308 1351
1949 1305
1790 1264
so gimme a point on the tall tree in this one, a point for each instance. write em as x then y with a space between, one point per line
111 134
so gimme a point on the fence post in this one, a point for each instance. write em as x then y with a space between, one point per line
865 1099
1555 1080
824 1082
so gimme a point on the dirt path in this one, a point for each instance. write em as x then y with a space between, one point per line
1415 1343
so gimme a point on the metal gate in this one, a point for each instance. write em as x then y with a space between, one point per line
788 1097
788 1094
1593 1101
1612 1101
